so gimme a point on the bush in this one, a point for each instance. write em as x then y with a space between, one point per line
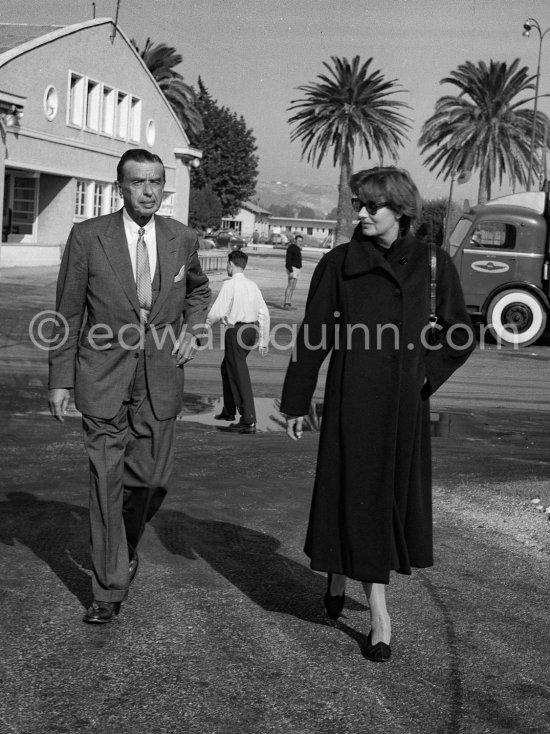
431 226
205 209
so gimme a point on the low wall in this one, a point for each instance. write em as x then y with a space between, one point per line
212 263
41 256
29 255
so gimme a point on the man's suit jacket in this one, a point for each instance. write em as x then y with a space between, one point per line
98 332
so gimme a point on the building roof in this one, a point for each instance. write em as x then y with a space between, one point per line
254 208
298 221
14 34
17 39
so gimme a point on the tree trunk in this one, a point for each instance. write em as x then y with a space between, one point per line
344 212
484 191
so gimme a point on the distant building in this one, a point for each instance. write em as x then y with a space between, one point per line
249 218
72 100
321 230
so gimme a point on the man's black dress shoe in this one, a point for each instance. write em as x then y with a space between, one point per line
379 653
241 428
223 416
247 427
133 566
333 604
101 612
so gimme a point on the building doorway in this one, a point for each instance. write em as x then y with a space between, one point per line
19 212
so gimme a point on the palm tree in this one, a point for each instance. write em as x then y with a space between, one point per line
343 111
161 59
485 127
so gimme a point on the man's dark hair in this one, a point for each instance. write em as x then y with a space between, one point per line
238 258
136 155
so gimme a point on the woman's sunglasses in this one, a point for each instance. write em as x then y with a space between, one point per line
371 206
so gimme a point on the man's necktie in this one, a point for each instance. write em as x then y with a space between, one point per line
143 275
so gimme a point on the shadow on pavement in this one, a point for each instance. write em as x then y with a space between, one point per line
248 559
55 532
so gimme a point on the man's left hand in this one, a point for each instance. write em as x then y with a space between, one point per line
185 348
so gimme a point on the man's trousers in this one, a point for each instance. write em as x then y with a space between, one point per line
131 457
237 389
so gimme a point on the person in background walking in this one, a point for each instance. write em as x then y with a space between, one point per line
293 264
130 293
369 306
241 308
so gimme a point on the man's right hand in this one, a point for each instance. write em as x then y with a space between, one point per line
58 400
294 426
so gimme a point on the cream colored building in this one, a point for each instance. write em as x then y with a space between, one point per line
321 230
72 100
249 218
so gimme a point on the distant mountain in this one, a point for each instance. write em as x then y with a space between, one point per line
322 199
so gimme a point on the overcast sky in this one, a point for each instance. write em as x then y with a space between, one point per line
252 54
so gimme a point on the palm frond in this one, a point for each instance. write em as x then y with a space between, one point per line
485 127
161 59
347 108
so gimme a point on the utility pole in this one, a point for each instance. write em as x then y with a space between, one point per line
116 21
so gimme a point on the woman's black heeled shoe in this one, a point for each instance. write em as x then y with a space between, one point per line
379 653
333 604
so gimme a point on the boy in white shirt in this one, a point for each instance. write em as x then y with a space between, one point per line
241 308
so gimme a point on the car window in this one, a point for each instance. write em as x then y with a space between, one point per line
458 234
494 236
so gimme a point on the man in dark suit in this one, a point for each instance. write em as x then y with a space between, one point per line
130 297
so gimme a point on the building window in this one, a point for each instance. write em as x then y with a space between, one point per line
76 99
135 119
92 105
122 110
98 199
80 201
167 206
51 102
115 199
108 111
310 230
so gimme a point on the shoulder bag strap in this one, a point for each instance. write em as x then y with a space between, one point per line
433 286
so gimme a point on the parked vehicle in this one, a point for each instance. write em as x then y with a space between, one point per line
227 240
502 253
278 240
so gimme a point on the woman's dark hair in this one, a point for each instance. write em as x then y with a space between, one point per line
391 184
136 155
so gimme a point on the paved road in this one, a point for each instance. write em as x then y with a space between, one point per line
493 378
223 632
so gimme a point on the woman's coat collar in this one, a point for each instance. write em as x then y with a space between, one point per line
362 256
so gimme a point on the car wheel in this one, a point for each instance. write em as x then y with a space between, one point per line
517 318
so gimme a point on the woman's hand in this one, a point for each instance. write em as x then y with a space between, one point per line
294 426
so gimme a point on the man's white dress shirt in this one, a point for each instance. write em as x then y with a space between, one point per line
241 301
132 229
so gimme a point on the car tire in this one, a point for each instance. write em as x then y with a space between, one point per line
516 317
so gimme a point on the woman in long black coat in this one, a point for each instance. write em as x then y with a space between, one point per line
369 306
